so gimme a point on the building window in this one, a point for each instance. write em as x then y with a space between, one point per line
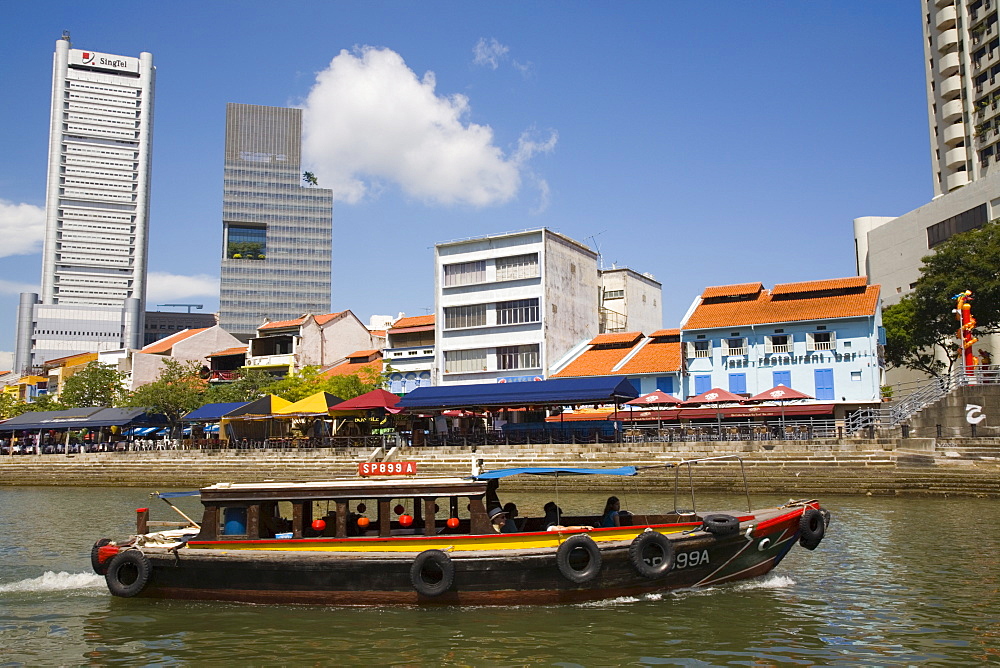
782 378
778 343
856 376
518 357
458 317
517 266
665 384
464 361
699 348
246 243
517 311
614 294
824 384
464 273
963 222
734 346
702 384
821 341
738 383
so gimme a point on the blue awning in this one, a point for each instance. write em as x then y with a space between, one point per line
174 495
555 392
553 471
83 418
210 412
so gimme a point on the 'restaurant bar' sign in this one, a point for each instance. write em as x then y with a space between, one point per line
387 468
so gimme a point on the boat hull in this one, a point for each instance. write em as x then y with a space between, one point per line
487 577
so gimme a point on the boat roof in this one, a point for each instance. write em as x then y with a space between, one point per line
345 489
554 471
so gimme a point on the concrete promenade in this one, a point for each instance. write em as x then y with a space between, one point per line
926 467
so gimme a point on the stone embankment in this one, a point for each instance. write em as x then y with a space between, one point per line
961 467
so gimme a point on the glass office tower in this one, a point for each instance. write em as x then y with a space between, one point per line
277 233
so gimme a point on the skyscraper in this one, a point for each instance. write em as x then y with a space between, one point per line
961 62
277 234
96 210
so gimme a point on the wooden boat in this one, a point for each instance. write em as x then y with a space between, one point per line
431 541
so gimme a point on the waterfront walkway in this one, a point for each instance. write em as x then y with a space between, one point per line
968 467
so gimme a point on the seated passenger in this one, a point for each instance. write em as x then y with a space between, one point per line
611 509
553 515
510 526
498 518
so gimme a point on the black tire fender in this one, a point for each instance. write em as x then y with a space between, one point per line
128 573
644 542
565 564
812 528
721 525
95 561
438 560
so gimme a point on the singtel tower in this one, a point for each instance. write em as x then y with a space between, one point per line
277 233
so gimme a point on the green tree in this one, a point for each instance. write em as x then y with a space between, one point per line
921 329
44 403
177 390
309 178
94 385
298 384
11 406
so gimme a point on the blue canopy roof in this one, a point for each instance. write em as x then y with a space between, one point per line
553 471
78 418
213 411
555 392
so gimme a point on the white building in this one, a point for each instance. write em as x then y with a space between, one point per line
409 353
508 306
97 208
630 301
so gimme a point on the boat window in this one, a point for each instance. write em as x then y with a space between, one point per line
234 521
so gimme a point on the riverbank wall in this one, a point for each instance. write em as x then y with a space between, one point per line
890 466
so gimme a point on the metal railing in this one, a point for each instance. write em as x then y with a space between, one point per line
925 394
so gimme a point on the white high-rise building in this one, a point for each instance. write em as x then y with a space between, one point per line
962 64
97 208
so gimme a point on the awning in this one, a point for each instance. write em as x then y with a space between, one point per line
553 471
555 392
369 400
675 414
655 398
79 418
210 412
316 404
263 406
779 393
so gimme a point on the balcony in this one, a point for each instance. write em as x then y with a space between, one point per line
957 180
223 376
947 39
781 348
945 18
951 110
955 157
954 134
951 86
824 345
949 63
736 352
271 360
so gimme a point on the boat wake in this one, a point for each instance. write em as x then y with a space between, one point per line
766 582
50 581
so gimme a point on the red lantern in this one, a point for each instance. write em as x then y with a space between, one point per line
405 520
363 522
399 509
319 525
452 522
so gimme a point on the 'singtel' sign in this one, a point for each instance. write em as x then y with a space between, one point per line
104 61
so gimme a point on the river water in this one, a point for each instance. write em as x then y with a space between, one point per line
898 581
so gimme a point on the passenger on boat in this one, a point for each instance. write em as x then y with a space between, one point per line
510 526
498 518
610 517
553 515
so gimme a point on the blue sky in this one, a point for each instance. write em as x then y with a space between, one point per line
705 143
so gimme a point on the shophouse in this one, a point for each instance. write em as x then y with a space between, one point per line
409 353
650 362
819 337
311 340
509 305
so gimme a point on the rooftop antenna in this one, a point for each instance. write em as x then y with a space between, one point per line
189 306
65 36
600 258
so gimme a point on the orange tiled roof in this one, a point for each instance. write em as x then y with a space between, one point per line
665 332
657 356
615 337
820 286
763 308
238 350
599 360
349 367
298 322
164 345
363 353
326 317
377 332
414 321
740 289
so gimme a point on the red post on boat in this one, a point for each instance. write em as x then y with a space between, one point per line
967 323
142 521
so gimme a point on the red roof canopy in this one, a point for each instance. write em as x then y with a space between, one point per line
716 395
779 393
655 398
369 400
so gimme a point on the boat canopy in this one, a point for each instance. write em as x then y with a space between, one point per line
554 471
555 392
174 495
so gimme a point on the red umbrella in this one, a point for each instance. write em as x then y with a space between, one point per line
715 396
368 401
655 398
781 394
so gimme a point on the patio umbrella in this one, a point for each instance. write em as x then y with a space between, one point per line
655 398
714 396
781 394
370 400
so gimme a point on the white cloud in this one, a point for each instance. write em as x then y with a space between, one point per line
368 119
22 228
14 288
164 287
489 53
